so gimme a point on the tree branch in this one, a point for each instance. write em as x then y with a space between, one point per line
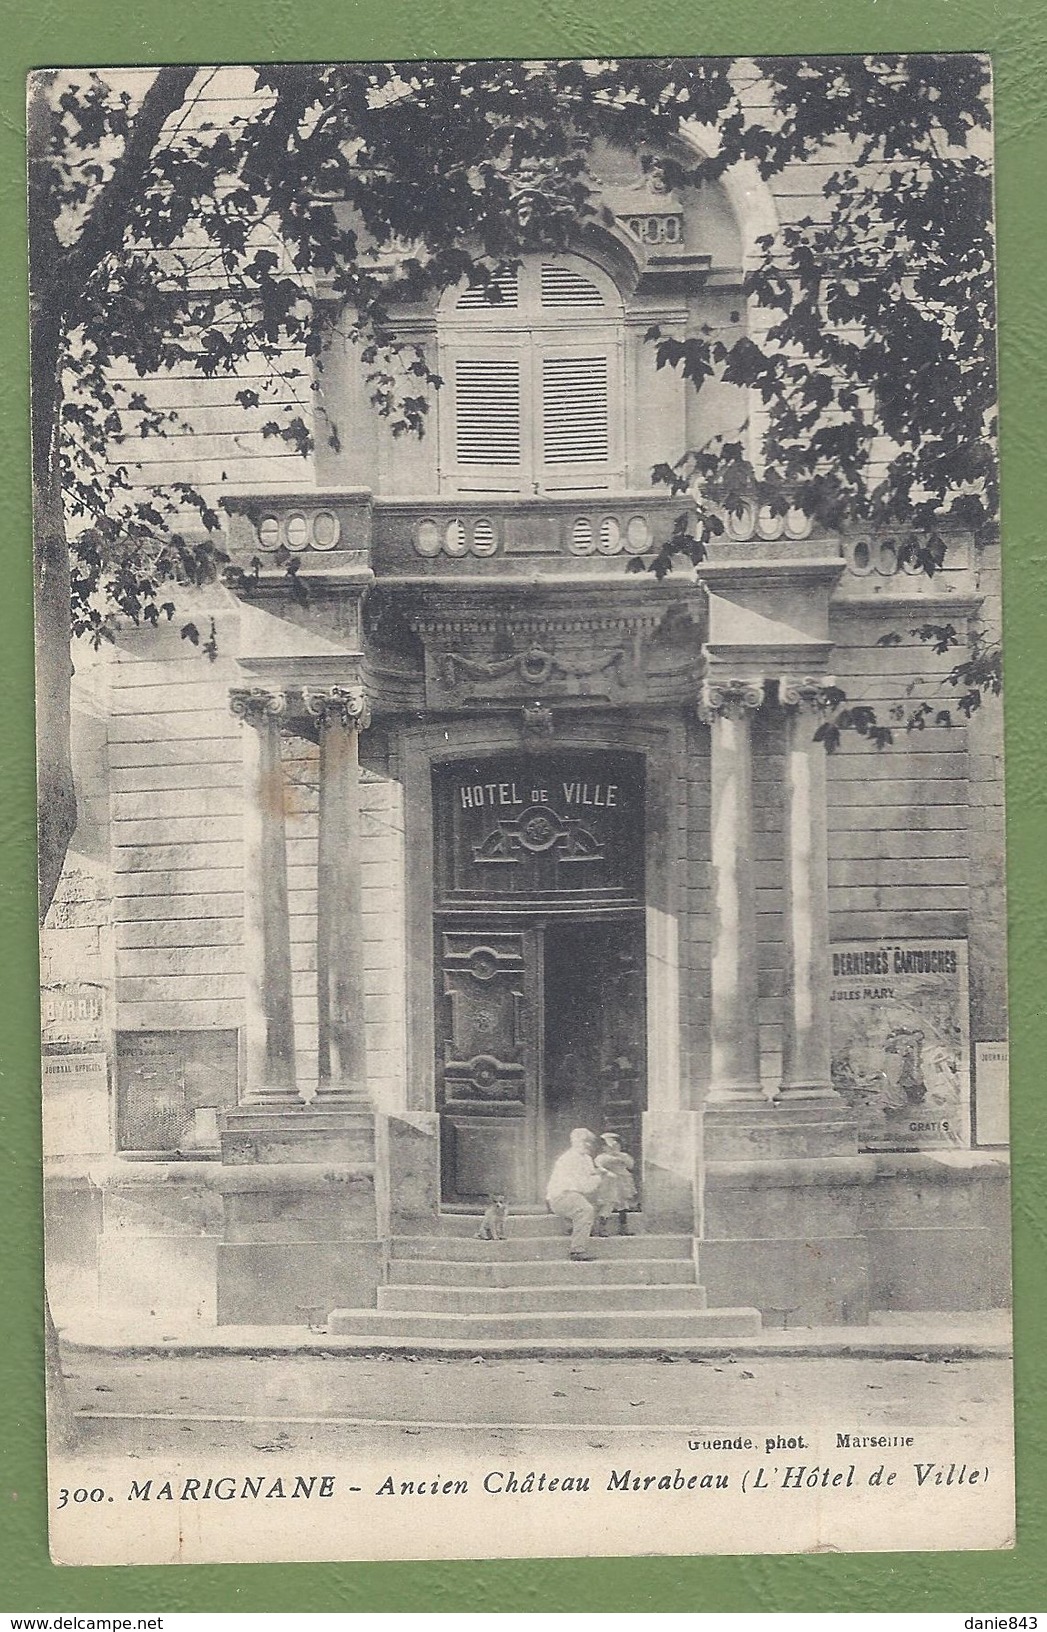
104 228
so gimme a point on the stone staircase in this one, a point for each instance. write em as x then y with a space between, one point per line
639 1289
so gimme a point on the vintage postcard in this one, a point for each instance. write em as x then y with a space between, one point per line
521 808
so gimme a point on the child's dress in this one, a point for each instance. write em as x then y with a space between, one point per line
617 1187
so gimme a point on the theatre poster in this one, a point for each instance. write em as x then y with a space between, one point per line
900 1031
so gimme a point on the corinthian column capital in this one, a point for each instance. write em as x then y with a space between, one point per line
256 704
338 705
729 697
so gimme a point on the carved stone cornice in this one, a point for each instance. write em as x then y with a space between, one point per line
729 697
347 706
257 704
805 694
538 624
536 666
553 644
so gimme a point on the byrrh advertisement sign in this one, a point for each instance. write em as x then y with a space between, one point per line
901 1041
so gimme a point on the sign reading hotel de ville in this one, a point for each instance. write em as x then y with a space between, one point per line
554 824
499 1069
901 1042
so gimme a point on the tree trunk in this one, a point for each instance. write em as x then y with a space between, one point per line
55 791
62 1431
56 795
54 289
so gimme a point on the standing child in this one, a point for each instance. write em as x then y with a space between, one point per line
617 1186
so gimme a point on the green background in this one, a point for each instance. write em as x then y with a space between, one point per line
154 31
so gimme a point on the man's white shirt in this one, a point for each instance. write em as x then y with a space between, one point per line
574 1170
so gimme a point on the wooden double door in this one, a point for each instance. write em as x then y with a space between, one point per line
541 1028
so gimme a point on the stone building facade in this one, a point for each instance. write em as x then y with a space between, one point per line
484 837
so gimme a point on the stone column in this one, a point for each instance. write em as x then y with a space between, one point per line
342 713
727 706
806 1052
270 1075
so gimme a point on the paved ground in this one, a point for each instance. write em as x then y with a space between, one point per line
138 1406
965 1334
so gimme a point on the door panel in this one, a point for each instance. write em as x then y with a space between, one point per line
595 1025
485 1157
489 1003
542 1029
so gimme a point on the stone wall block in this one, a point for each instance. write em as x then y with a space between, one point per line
169 1276
295 1283
734 1209
407 1149
807 1280
671 1172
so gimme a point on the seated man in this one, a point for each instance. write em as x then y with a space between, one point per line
572 1189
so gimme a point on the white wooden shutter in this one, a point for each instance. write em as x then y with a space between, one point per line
487 411
476 297
575 411
535 384
563 288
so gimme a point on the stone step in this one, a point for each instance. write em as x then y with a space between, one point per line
543 1272
514 1300
465 1249
517 1224
379 1324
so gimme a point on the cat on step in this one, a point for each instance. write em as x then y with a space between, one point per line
492 1224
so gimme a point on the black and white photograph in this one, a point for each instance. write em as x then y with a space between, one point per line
521 813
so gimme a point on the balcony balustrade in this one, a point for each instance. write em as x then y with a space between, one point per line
343 531
456 533
445 535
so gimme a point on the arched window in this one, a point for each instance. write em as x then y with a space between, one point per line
532 399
